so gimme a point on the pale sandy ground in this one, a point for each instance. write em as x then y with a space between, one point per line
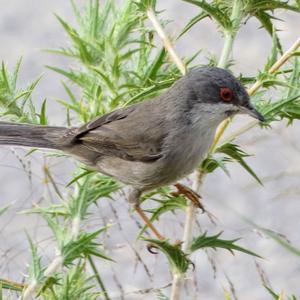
27 26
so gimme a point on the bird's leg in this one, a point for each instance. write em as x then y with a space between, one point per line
190 194
134 197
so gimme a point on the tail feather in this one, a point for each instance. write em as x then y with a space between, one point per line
50 137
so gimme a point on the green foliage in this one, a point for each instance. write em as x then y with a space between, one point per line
74 285
144 5
235 153
15 103
177 259
288 107
115 61
35 270
204 241
166 203
89 191
213 162
83 246
115 65
215 10
73 247
220 10
230 153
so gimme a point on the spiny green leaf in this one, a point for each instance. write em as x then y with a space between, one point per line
83 246
265 20
178 261
69 74
236 153
15 74
36 270
211 163
169 204
193 22
269 5
288 108
81 175
216 13
43 116
151 73
165 205
74 284
70 94
144 5
274 52
148 92
204 241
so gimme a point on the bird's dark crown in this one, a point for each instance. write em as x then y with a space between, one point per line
207 84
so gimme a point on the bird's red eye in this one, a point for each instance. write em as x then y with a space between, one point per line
226 94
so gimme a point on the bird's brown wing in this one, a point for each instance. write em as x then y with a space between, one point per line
124 134
115 115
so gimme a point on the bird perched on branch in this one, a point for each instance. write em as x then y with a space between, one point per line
152 143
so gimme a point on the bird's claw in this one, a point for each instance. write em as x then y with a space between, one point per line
190 194
150 248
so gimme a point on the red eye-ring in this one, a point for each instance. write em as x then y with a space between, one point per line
226 94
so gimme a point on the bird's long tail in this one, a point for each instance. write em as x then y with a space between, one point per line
50 137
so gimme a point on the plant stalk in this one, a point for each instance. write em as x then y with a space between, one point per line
98 278
166 41
236 16
227 49
178 278
30 291
54 266
230 34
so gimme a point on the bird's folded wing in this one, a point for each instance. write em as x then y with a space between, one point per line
124 134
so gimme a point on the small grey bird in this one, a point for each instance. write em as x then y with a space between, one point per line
152 143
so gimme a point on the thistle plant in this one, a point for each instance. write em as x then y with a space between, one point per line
117 59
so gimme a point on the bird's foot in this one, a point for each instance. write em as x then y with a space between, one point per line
148 222
134 199
194 197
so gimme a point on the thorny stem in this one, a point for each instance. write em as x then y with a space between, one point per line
75 228
236 16
31 289
178 279
166 41
230 34
54 266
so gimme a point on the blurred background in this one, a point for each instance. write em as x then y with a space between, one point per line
27 27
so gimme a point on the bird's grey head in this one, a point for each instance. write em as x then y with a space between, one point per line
217 91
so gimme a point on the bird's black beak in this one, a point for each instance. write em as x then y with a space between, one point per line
253 112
